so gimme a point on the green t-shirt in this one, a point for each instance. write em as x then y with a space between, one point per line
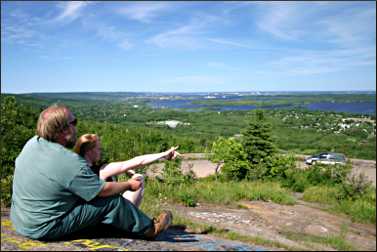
49 180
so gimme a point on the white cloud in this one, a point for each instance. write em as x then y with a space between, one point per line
188 36
144 11
280 20
322 22
71 10
107 32
351 28
22 29
321 62
229 43
182 37
125 44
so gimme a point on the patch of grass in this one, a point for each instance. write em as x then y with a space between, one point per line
335 241
322 194
188 200
217 192
361 209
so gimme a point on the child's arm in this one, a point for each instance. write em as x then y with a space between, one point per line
117 168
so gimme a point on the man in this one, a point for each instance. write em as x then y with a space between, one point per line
56 194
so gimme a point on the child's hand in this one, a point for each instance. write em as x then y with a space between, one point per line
135 184
172 153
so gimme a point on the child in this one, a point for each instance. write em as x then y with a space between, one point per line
88 146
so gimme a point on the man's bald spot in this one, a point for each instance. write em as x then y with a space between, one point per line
51 110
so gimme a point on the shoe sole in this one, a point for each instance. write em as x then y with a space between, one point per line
169 222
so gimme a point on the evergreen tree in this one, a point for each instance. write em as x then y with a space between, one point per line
257 140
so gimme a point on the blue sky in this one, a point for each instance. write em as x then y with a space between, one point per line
187 46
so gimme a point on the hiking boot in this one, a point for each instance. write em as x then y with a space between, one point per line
160 224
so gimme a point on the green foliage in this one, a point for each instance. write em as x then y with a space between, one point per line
257 141
6 190
296 180
356 186
188 199
255 158
210 190
296 130
17 126
328 174
280 164
362 208
337 242
224 150
231 153
235 170
318 174
353 195
323 194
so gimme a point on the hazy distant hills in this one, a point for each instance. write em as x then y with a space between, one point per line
119 96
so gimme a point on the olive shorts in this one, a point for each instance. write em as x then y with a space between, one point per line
115 211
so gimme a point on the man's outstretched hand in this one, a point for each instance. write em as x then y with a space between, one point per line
172 153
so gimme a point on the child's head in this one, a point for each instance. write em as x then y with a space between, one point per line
88 146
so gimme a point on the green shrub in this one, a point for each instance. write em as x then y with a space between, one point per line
235 170
328 174
188 199
355 186
258 172
280 164
17 126
296 180
232 154
318 174
6 190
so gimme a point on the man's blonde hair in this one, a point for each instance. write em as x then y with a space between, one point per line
85 143
52 122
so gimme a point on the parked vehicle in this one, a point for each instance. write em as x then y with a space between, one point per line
326 158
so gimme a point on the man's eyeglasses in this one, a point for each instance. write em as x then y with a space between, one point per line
74 122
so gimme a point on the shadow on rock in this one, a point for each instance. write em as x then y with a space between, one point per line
175 233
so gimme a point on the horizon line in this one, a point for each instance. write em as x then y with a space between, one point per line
175 92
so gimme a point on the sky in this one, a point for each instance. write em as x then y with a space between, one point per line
227 46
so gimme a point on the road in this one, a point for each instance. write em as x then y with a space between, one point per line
202 167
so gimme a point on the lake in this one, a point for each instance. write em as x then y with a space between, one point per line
349 107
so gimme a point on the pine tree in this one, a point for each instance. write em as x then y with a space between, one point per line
257 140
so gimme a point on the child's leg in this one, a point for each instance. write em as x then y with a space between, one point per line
136 196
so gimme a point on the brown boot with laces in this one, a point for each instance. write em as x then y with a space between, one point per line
160 224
